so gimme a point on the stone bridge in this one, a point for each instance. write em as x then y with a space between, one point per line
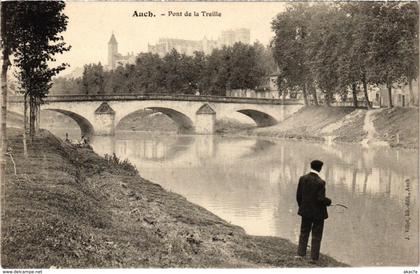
101 114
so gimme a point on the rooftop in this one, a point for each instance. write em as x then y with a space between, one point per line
112 40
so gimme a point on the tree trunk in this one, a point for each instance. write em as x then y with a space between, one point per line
365 91
38 117
354 89
32 116
410 88
25 113
314 96
389 86
283 96
328 98
305 95
3 123
3 130
25 124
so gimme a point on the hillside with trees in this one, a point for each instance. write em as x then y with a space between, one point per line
239 66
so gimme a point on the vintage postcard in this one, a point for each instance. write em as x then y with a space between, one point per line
209 135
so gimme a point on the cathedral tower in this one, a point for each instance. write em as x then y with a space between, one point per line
112 52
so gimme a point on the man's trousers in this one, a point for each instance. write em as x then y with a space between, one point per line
308 225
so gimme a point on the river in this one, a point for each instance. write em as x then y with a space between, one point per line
252 182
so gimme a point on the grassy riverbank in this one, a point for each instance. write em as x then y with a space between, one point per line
68 207
396 127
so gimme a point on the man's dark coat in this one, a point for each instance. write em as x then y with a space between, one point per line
311 198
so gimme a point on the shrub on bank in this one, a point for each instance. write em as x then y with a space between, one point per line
124 164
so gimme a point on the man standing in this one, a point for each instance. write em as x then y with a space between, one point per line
313 204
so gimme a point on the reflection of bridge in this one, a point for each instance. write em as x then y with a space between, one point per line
147 150
100 114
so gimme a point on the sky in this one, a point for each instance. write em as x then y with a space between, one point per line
92 23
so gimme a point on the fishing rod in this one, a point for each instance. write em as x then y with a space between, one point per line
340 205
339 208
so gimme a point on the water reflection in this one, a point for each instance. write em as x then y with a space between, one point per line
372 185
252 183
103 145
147 148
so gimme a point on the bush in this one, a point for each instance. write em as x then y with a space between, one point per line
125 164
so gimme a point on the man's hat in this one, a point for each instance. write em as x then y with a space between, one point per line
317 165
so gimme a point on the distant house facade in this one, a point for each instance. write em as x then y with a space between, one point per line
268 89
378 96
400 95
254 93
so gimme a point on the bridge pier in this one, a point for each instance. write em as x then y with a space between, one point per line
104 120
205 120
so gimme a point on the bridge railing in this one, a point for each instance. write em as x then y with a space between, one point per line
165 97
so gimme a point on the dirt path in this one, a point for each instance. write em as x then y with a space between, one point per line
369 127
329 132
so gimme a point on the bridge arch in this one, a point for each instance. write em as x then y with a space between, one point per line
184 123
262 119
86 127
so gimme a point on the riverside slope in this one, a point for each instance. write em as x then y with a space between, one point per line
67 207
396 127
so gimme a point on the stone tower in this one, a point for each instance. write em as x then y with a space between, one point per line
112 52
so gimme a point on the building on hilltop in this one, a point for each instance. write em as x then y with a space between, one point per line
116 59
188 47
230 37
165 45
183 46
112 51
